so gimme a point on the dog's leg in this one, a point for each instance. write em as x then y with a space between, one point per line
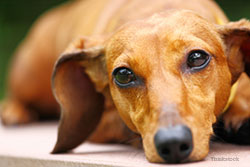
14 112
234 124
29 82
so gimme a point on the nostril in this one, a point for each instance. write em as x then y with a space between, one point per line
184 147
165 151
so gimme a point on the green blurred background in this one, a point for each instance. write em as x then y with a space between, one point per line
16 17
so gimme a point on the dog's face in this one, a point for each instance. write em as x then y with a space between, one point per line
168 71
169 77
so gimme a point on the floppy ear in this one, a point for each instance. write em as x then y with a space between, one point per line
79 75
236 36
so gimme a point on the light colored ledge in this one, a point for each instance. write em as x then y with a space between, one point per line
29 146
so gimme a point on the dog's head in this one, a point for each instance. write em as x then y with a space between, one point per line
169 76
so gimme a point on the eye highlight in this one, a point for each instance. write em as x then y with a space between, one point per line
123 76
198 59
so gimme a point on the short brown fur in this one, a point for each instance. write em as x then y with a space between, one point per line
151 37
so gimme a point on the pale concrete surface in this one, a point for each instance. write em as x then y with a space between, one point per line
29 146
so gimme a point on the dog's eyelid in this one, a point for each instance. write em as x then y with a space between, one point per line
119 67
199 50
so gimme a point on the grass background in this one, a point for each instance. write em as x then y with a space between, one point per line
17 16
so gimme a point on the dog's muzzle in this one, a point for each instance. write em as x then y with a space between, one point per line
174 144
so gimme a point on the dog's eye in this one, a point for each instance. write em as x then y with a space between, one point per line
123 76
198 59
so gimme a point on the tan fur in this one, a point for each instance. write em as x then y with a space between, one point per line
151 37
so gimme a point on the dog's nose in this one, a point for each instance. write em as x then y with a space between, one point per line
174 144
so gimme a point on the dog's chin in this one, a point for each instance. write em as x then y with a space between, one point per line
190 159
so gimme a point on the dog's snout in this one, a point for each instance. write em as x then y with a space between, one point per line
174 144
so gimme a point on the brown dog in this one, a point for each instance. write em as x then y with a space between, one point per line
166 66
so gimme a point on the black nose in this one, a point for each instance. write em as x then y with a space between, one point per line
174 144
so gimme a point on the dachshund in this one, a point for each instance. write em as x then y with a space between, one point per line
165 70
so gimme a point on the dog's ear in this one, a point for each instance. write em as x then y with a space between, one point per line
236 36
78 78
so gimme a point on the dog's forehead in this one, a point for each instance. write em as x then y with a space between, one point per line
172 24
179 27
